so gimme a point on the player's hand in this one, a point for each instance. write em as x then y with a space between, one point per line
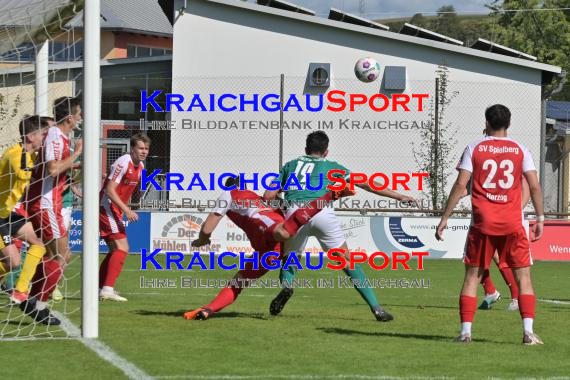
201 242
408 200
440 228
132 216
537 230
78 148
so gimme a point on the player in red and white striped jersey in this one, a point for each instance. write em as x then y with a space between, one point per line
496 165
44 203
123 178
266 228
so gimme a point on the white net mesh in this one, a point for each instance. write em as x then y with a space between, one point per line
29 300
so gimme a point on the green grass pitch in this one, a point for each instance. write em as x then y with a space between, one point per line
321 333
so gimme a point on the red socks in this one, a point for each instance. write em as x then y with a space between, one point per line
511 282
467 308
229 294
488 283
301 216
47 276
527 305
111 268
226 297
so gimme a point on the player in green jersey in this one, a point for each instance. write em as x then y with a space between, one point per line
324 226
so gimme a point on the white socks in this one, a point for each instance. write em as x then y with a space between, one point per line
108 289
527 325
466 328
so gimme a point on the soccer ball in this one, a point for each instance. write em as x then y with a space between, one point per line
367 69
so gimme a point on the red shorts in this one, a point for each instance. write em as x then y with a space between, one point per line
260 233
48 223
513 249
111 224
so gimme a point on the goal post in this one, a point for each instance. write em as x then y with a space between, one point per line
91 166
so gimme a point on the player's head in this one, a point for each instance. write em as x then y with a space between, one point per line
67 112
317 144
498 117
32 130
50 121
140 144
234 180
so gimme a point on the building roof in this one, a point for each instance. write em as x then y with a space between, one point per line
558 110
137 16
389 35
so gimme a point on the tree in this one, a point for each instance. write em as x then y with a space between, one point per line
433 154
419 20
446 21
542 33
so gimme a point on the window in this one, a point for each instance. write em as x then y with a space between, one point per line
134 51
58 52
143 51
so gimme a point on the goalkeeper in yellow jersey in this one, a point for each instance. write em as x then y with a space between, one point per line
15 174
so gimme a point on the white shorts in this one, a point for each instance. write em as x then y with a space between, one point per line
66 213
324 226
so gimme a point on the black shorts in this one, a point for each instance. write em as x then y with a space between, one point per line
9 227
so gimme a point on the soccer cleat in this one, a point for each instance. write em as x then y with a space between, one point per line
18 297
28 307
46 318
57 295
463 338
382 315
514 305
111 296
346 192
279 302
200 314
531 339
489 300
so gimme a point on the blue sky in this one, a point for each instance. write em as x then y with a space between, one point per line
381 9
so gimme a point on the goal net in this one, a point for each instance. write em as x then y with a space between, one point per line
41 66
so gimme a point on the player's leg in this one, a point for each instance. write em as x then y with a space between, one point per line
34 255
479 249
50 271
293 246
492 296
112 266
9 258
230 293
468 300
516 255
301 216
114 233
511 282
328 231
56 295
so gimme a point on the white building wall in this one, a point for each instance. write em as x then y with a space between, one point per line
222 49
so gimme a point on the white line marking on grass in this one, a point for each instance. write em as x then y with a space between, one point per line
295 377
103 351
555 301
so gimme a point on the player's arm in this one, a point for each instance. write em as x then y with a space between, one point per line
271 194
385 193
111 191
55 166
207 229
16 168
525 192
457 191
537 201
